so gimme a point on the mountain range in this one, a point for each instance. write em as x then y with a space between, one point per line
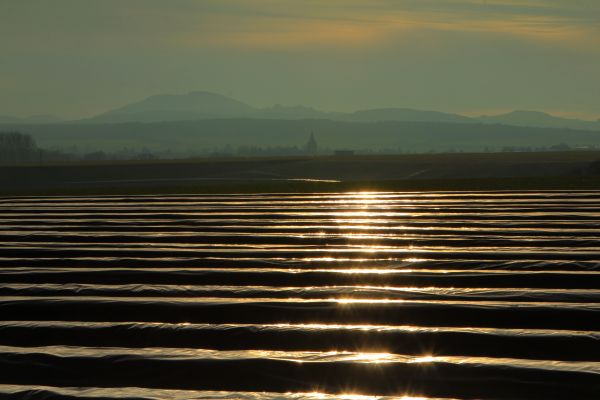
200 105
205 105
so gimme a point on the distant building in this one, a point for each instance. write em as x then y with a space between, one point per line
311 146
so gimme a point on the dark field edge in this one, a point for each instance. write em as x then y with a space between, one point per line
229 187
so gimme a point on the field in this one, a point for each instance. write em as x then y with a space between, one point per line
490 171
448 276
454 295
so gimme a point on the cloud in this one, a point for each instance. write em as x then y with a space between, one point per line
284 24
359 23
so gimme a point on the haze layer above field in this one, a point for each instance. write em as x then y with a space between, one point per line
76 59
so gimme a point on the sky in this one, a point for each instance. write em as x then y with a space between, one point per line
78 58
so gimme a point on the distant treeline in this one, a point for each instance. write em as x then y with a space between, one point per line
15 147
21 148
206 136
18 148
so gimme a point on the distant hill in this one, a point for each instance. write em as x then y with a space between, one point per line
206 105
539 119
166 107
294 112
406 114
200 105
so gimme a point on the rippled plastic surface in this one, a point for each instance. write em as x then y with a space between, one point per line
317 296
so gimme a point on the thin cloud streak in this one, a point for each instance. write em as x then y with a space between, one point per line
297 23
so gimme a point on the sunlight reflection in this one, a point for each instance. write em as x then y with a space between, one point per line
372 358
178 394
414 259
339 259
346 396
368 271
363 214
380 210
425 359
340 326
367 301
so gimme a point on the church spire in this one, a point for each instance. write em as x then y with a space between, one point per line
311 146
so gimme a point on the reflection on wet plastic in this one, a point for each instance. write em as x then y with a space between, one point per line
484 290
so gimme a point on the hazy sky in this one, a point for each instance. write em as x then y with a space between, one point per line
75 58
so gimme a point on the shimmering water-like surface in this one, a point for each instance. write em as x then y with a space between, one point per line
379 295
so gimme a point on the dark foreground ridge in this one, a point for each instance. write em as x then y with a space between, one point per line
436 295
